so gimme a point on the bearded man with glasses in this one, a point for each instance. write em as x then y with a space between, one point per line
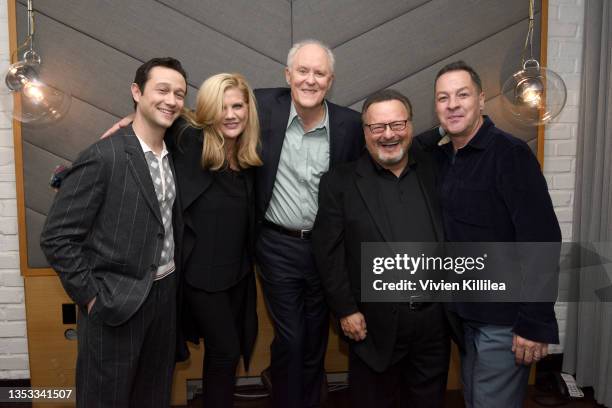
396 349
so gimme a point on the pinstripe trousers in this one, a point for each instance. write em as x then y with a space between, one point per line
130 365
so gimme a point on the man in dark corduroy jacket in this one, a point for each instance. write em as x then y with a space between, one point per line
491 190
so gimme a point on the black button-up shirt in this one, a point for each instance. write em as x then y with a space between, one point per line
492 190
404 203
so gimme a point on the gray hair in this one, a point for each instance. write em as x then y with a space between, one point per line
296 47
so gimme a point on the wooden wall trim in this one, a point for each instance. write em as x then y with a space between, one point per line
18 146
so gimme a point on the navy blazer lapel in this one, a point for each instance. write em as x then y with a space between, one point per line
368 188
337 135
273 142
140 170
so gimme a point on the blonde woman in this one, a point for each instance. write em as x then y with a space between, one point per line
214 152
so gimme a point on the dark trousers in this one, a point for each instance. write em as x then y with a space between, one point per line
293 294
130 365
418 373
218 319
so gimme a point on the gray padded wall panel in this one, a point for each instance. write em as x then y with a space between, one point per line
338 21
35 222
38 166
65 139
393 51
264 25
503 52
93 47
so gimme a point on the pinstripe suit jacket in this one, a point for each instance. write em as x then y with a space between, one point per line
104 233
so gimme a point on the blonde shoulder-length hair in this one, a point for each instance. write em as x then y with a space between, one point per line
208 115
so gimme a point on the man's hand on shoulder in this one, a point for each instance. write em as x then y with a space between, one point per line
124 122
528 351
354 326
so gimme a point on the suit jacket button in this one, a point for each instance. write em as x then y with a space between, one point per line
160 235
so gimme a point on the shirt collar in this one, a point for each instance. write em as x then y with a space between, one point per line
409 166
480 139
293 115
146 148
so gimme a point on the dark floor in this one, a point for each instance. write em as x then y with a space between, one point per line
454 399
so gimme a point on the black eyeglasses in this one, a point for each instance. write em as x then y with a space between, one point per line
396 126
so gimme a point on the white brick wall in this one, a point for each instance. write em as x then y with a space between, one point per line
13 341
565 21
565 27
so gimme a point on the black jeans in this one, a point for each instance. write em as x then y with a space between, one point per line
218 318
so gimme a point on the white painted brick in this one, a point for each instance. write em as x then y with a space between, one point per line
6 138
6 156
564 181
12 329
573 98
14 312
7 190
7 176
572 2
558 131
570 49
9 243
553 48
553 12
561 198
570 13
557 164
14 362
14 374
14 346
8 225
566 148
564 214
9 260
563 29
550 148
8 208
11 295
563 65
549 179
569 114
566 231
11 278
572 79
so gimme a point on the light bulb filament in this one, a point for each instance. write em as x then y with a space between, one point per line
33 90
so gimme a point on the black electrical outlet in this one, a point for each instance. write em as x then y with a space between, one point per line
68 313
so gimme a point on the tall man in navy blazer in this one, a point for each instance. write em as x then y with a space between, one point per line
109 236
303 136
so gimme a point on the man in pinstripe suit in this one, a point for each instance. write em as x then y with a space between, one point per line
109 236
